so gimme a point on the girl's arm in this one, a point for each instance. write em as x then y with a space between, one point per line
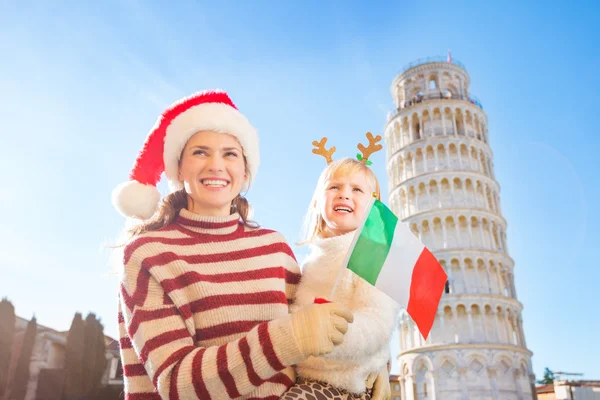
156 339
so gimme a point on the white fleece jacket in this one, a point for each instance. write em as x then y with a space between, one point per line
365 348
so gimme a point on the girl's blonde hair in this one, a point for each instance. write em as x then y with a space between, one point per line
314 224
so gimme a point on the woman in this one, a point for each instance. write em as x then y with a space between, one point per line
205 293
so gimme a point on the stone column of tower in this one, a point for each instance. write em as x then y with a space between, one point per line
442 185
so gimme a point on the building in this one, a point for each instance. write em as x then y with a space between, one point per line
48 360
441 175
569 390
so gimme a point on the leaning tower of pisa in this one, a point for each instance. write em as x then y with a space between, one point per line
442 185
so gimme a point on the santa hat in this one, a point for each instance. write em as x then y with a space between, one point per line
204 111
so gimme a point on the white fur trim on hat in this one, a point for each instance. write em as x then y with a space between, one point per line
134 199
216 117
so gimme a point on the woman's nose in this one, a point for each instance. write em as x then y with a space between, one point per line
215 163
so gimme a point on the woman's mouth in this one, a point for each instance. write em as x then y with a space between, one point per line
214 183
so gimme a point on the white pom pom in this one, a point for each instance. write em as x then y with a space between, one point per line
136 200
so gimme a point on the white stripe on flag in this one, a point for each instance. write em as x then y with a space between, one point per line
396 274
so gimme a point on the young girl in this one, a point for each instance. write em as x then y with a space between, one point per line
343 193
204 292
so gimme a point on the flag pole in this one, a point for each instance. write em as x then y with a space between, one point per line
347 258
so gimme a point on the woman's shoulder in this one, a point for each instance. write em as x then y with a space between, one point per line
142 243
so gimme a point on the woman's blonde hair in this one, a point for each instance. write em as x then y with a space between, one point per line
314 224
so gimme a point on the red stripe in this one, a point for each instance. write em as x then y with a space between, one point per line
173 387
161 340
176 357
141 291
192 238
191 277
228 300
245 353
120 318
167 257
143 396
125 343
292 278
267 347
205 224
224 373
226 329
140 316
426 288
134 370
197 378
281 379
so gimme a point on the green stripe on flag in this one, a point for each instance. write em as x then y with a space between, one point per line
373 244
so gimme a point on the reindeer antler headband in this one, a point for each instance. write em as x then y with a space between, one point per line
373 147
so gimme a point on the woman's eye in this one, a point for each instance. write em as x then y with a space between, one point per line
199 152
231 154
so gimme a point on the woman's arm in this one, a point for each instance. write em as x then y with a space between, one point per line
160 340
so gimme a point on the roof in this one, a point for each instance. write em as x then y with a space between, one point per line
545 389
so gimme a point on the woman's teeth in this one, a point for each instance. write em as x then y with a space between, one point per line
214 183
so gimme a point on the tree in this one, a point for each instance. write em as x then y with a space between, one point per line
548 377
94 360
7 333
85 358
18 386
74 385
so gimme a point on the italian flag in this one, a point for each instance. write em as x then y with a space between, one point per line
390 257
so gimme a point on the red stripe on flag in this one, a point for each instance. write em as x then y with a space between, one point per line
426 288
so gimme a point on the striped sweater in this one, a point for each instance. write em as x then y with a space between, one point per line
203 311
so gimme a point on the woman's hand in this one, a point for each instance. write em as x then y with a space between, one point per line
381 386
318 328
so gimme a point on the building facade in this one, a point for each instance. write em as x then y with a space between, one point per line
442 184
48 360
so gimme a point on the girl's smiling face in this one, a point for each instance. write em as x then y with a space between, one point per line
344 202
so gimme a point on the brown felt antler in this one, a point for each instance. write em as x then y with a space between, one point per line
372 148
320 149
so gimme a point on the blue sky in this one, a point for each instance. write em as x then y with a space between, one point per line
81 85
